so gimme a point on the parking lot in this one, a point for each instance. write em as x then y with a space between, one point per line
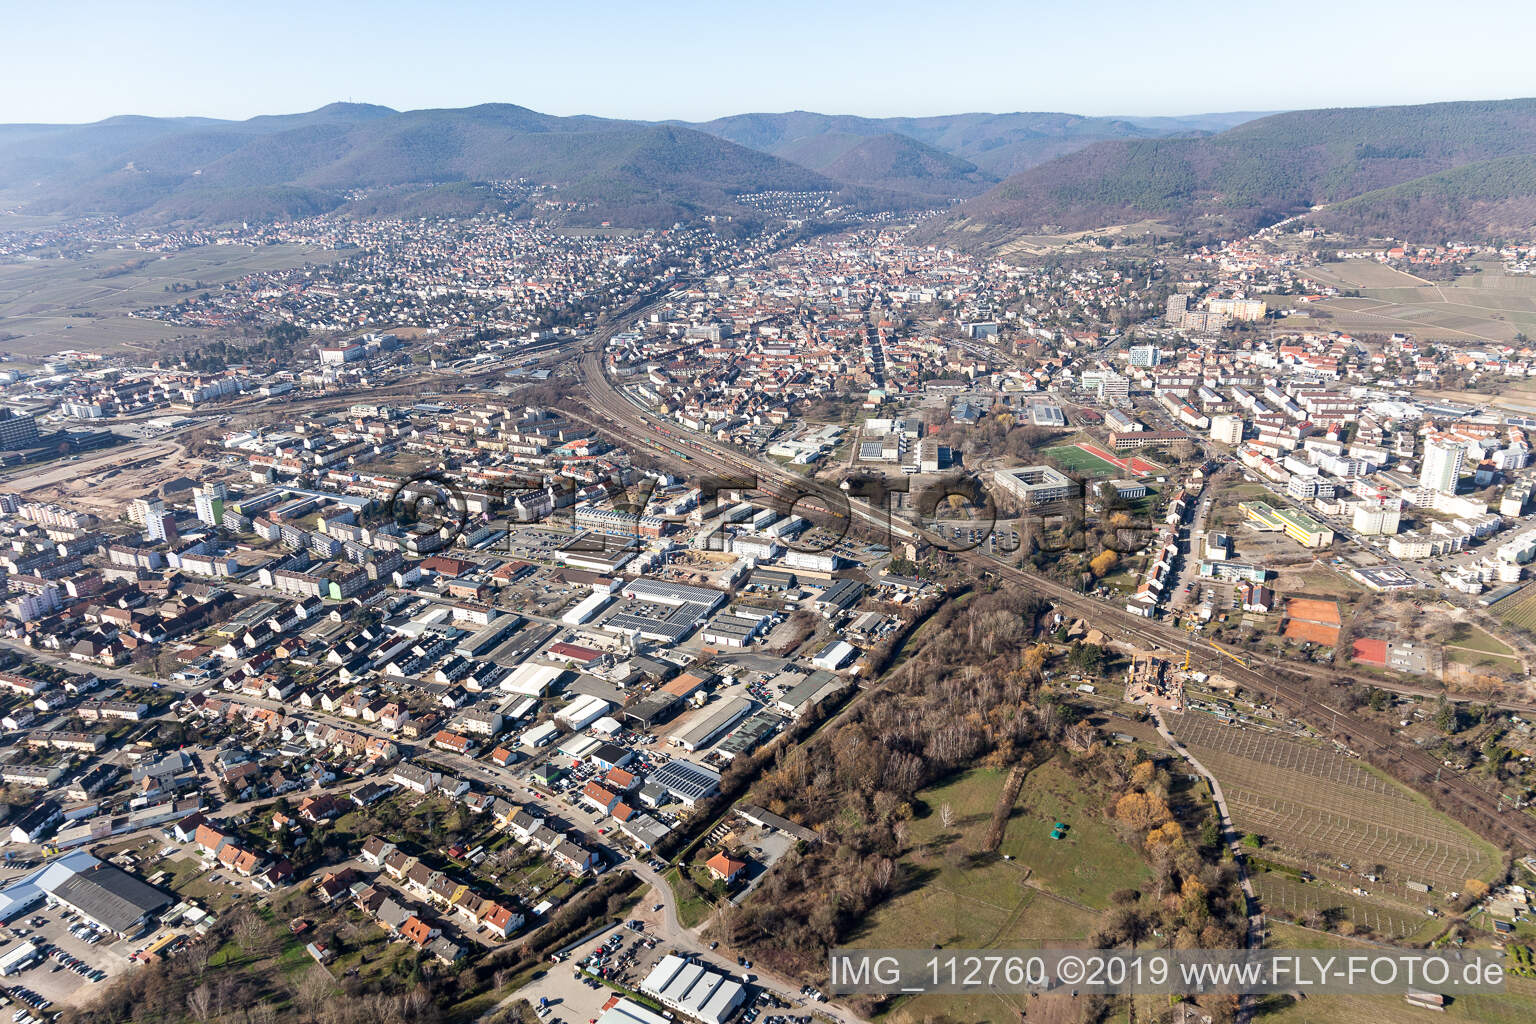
78 962
576 1000
625 954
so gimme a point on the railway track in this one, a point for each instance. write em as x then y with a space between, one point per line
611 410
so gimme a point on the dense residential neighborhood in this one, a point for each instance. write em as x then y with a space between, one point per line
470 564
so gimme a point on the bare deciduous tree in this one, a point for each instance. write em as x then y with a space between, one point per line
200 1002
195 957
250 931
313 990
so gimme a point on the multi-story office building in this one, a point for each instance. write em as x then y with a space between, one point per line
17 429
1114 388
1035 485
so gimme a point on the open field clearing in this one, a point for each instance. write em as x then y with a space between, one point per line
104 483
1431 320
1085 866
1363 274
1482 659
1317 808
1474 648
1480 640
48 306
1486 306
1516 394
1048 894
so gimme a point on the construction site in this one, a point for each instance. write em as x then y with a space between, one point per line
104 483
1155 679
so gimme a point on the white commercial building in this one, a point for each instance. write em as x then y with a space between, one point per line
835 655
710 724
19 957
585 611
1519 549
530 680
583 711
627 1011
700 992
539 735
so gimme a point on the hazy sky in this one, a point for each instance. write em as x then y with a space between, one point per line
85 59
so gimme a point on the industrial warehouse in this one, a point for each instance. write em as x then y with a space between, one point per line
694 989
106 896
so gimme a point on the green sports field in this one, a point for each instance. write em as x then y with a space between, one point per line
1075 460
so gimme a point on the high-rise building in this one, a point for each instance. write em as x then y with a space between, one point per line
1203 323
1379 517
162 528
1442 466
1148 355
209 502
31 607
142 510
17 429
1177 304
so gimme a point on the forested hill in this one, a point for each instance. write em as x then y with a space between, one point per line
1492 200
894 162
1437 170
1264 170
994 145
171 169
374 159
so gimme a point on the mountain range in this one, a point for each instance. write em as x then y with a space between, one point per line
1428 172
441 161
169 169
982 148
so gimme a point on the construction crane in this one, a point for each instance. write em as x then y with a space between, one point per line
1228 653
